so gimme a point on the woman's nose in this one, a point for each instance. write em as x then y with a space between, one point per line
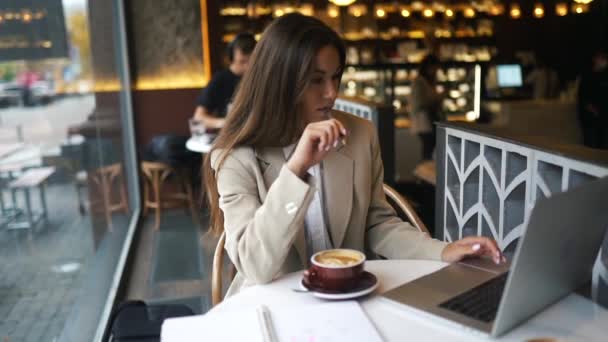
330 89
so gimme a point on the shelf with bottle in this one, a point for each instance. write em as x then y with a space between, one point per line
390 39
391 83
409 53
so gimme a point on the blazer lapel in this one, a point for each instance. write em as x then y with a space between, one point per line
271 160
338 173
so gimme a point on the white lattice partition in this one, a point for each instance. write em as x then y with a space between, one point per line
491 185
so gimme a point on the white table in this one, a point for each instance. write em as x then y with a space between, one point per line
573 319
7 149
200 144
25 155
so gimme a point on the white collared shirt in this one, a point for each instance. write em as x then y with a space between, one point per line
317 238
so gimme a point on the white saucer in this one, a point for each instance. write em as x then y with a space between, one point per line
342 296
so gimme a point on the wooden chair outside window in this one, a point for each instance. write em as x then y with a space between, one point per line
110 182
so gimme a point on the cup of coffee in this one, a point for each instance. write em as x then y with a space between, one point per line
335 269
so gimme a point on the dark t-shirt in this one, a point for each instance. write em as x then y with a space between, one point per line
218 93
593 90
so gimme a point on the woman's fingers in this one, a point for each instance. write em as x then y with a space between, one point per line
320 134
333 130
484 246
339 131
331 136
473 246
319 137
335 133
342 130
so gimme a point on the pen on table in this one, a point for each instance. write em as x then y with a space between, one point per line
265 321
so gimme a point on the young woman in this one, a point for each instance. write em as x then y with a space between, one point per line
288 176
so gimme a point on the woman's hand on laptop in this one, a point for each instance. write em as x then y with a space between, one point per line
470 247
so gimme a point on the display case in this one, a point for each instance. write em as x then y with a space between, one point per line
391 83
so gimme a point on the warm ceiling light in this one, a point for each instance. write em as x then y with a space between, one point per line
497 9
515 11
417 5
561 9
449 13
380 13
342 2
279 12
469 12
580 8
405 13
26 16
428 13
539 11
333 11
357 10
306 10
584 2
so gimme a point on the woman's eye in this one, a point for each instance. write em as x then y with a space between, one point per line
316 80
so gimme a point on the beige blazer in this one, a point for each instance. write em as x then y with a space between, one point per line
264 206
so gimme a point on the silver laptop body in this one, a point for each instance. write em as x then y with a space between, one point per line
555 256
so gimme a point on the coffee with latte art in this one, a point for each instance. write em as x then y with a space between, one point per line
338 258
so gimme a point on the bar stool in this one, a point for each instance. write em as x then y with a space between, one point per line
105 179
156 175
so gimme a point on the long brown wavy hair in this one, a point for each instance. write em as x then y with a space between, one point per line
266 106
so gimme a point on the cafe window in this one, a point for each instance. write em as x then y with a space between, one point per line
69 190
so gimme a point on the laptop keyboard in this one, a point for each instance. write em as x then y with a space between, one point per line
480 302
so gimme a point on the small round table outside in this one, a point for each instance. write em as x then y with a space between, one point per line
200 144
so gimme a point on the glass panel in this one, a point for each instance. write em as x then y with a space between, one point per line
63 171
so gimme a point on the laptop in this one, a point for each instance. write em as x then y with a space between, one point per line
555 256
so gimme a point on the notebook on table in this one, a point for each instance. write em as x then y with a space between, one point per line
327 322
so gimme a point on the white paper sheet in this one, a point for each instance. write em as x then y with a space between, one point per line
327 322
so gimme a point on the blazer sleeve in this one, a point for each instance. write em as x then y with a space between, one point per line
259 235
387 234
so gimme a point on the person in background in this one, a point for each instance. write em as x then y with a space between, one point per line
26 80
289 176
544 81
425 105
214 100
593 102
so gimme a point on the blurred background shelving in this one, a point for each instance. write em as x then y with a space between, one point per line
385 41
